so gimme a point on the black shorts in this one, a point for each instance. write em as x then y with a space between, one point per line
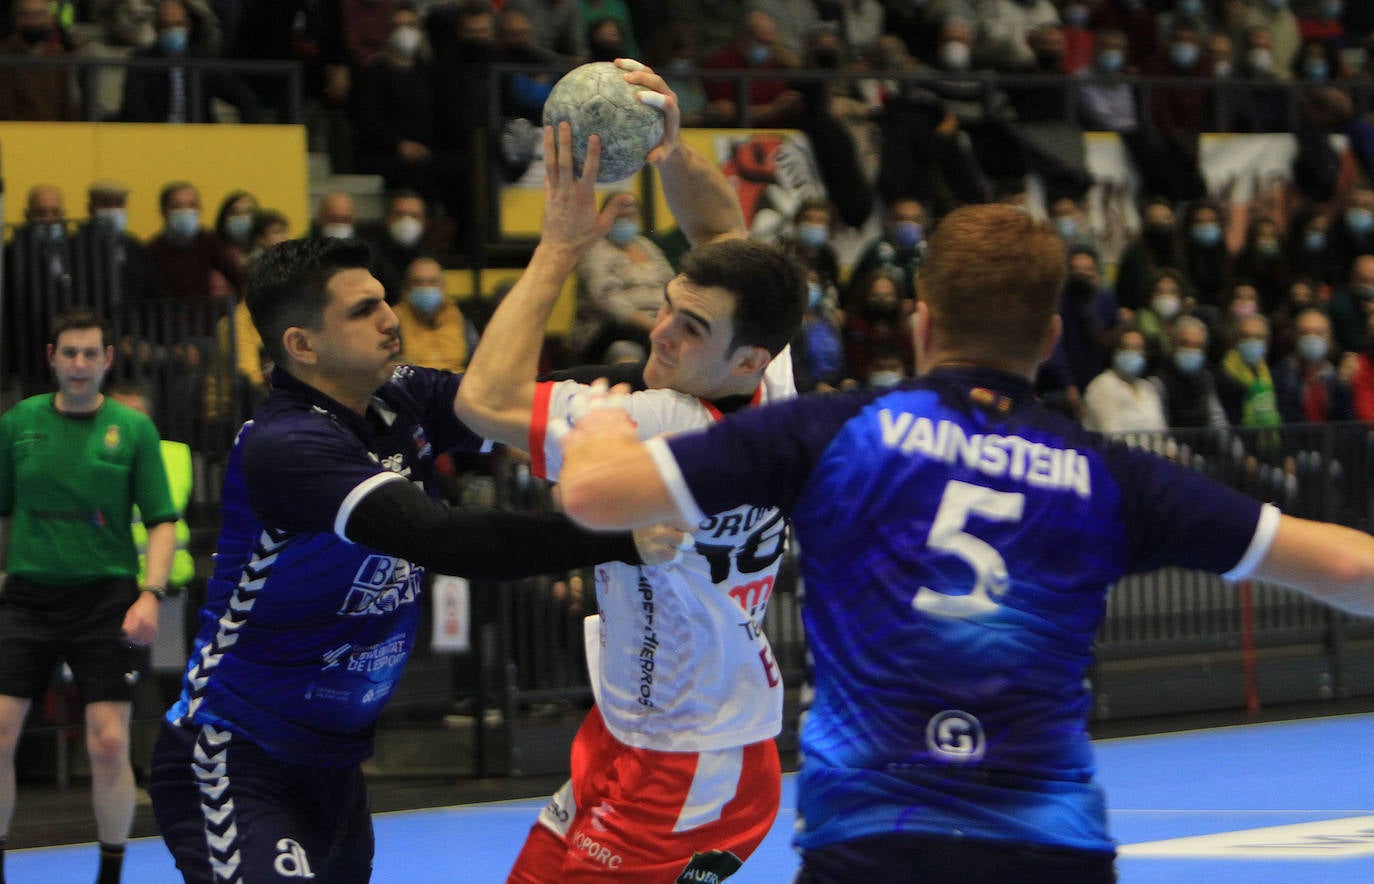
82 624
928 860
224 807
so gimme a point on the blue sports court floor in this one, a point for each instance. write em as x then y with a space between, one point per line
1277 803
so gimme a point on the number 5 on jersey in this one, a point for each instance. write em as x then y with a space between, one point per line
947 534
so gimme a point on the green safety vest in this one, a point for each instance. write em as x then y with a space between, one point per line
176 456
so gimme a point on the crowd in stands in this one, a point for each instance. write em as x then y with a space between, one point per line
1216 313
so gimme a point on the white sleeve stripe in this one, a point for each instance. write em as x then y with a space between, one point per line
1259 544
671 475
360 491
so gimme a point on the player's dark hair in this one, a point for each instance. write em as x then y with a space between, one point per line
287 285
79 318
769 289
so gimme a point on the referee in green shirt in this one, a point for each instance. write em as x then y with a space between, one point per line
73 464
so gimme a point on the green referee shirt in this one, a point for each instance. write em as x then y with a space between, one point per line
69 484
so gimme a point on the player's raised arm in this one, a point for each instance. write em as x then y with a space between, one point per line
702 200
1331 563
497 393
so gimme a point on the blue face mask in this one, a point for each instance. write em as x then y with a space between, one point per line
1359 220
1067 227
1332 9
757 54
113 218
814 292
54 231
623 231
1189 7
907 234
1110 61
1312 347
1252 350
1184 55
238 227
183 224
1316 69
1206 234
884 379
813 236
1129 362
173 41
1315 240
1188 361
426 300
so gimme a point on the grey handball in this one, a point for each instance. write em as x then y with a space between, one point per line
594 98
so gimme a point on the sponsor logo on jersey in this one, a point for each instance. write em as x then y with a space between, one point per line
597 852
291 861
111 437
381 586
955 736
648 646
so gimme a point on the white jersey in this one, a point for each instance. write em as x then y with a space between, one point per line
677 655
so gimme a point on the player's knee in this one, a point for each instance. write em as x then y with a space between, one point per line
108 746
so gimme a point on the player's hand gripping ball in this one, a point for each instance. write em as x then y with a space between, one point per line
595 98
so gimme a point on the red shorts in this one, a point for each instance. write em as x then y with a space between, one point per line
646 816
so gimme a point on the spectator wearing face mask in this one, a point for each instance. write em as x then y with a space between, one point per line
1309 245
1309 387
1089 317
1105 102
1119 399
1245 367
919 25
1352 232
191 262
1154 248
164 94
620 283
1003 26
809 241
874 321
771 102
899 247
1283 24
1166 301
1166 153
434 333
1137 19
1262 261
39 270
396 118
1186 383
818 361
1352 306
398 238
1207 261
105 238
234 222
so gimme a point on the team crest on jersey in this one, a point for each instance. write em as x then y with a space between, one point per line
382 585
111 437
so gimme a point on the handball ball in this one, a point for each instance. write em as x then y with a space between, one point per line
595 99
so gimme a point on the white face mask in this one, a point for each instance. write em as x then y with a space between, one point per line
955 55
405 40
406 231
1165 306
337 231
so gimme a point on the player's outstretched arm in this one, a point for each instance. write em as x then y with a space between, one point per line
700 197
497 393
609 479
1331 563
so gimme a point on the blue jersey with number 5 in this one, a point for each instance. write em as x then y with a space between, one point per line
957 543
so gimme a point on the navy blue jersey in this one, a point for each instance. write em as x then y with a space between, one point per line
304 634
957 543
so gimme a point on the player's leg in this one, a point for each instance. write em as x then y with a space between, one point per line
546 846
226 808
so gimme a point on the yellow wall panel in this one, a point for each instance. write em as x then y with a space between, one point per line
268 161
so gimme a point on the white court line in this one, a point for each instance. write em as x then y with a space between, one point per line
1334 839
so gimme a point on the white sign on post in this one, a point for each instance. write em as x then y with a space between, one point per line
452 614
